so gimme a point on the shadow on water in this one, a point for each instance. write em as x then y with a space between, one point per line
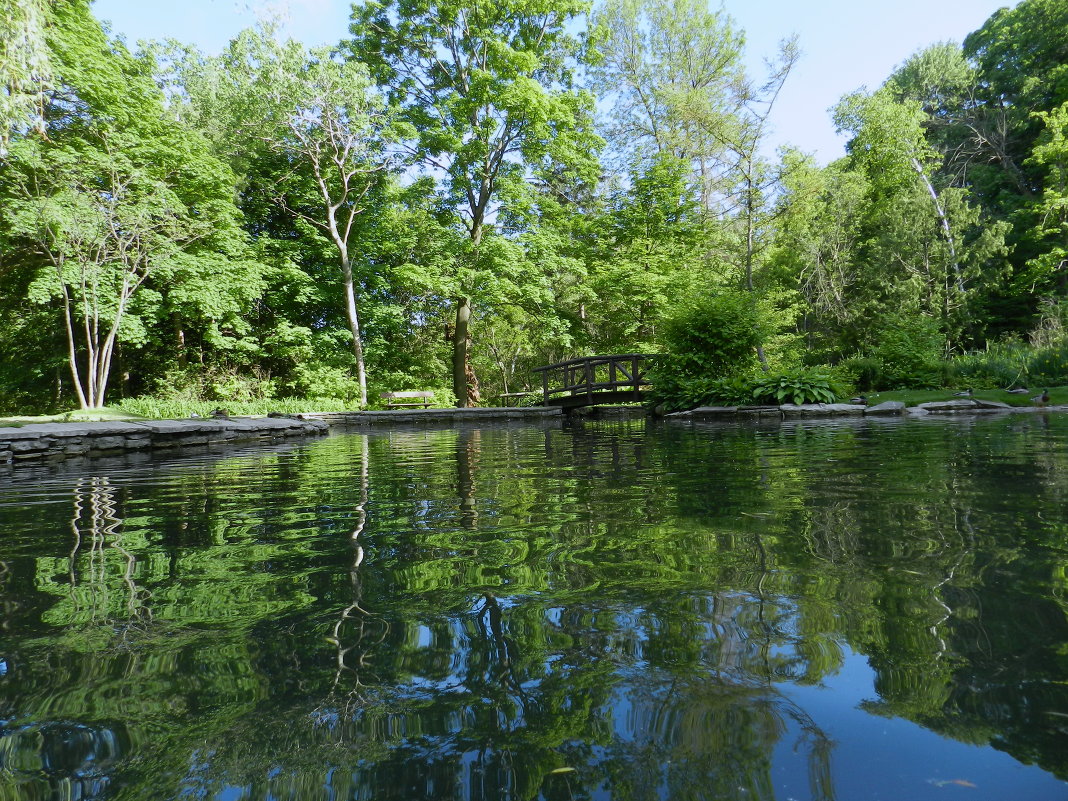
614 610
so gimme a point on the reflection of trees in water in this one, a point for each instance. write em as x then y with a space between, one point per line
96 539
356 632
454 614
65 758
708 737
468 446
9 604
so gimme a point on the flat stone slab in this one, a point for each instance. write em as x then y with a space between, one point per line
887 407
821 409
66 430
948 406
706 411
760 411
990 404
56 441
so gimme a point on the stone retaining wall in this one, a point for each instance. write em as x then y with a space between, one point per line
56 441
785 410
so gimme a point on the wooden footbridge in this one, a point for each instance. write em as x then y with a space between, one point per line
592 380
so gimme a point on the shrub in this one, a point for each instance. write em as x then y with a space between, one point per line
910 349
708 344
316 380
1049 365
731 391
1052 327
999 366
170 408
714 336
213 384
674 393
863 372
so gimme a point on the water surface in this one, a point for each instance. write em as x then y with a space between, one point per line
869 610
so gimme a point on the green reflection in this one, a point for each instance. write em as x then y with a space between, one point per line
606 611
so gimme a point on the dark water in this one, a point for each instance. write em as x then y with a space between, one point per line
610 611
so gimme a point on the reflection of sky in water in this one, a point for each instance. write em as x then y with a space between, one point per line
889 758
601 612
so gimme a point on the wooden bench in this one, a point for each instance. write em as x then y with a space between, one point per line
506 397
392 404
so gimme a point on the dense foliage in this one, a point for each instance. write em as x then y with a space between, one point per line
275 223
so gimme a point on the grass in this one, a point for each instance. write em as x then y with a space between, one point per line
154 409
96 415
911 397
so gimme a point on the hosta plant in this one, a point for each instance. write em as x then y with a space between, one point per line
797 387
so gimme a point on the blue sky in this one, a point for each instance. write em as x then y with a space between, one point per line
846 44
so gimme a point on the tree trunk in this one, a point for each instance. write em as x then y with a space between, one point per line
464 381
72 351
341 243
944 220
179 343
354 325
750 248
461 336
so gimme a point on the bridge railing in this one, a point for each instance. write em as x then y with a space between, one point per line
583 379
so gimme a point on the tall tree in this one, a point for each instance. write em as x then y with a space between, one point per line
669 71
1048 271
114 198
650 256
25 66
927 240
318 111
104 223
750 173
1021 54
487 87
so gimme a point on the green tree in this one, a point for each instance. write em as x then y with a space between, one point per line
318 112
25 66
117 199
104 224
487 87
670 72
1022 60
821 215
651 255
934 240
1048 271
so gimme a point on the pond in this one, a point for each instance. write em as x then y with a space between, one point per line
867 610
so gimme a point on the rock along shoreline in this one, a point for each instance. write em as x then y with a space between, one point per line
789 411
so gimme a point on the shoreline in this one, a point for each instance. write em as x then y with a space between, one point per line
49 443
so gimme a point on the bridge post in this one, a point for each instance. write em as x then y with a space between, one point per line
588 370
545 387
635 377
